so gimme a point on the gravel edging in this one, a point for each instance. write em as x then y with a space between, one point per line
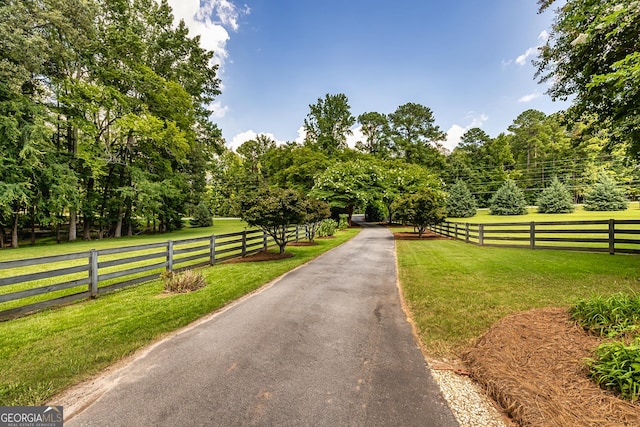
467 401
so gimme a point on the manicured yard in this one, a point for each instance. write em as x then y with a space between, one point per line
456 291
44 353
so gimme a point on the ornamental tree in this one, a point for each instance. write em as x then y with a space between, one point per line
508 200
273 210
423 209
556 198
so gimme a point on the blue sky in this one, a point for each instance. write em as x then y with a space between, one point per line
467 60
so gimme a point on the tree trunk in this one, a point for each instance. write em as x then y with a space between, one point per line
350 213
118 230
14 231
73 224
33 225
1 237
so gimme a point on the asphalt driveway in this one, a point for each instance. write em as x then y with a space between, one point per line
326 345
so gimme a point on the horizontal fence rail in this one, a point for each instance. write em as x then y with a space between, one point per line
30 285
611 236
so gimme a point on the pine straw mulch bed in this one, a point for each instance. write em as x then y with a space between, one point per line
532 364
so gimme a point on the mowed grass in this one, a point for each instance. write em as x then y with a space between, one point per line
456 291
47 248
42 354
484 217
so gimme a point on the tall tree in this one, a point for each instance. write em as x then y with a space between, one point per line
375 128
328 123
416 137
593 56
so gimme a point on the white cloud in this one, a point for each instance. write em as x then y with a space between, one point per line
218 110
247 135
529 98
455 132
356 135
543 36
210 20
301 135
522 59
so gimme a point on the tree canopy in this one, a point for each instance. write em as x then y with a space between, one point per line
593 56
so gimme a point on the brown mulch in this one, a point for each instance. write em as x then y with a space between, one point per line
260 256
532 364
302 244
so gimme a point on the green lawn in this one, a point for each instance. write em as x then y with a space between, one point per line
220 226
44 353
483 217
456 291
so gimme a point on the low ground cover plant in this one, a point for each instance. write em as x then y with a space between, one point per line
612 315
616 365
327 228
184 281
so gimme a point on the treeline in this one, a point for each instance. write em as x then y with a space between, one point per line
103 117
401 149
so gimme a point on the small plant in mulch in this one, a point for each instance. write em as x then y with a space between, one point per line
616 365
185 281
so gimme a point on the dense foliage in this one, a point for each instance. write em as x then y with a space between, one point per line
605 195
460 201
104 119
273 210
555 199
593 55
508 200
421 210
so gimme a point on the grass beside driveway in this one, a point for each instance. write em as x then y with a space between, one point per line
42 354
456 291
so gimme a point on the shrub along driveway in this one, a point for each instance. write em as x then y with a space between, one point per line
327 344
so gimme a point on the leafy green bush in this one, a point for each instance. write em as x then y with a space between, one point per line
556 198
508 200
185 281
202 216
423 209
617 367
327 228
460 201
605 195
343 224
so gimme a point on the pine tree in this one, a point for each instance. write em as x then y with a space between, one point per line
605 195
508 200
555 199
460 202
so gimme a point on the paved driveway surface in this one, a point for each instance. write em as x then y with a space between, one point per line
327 345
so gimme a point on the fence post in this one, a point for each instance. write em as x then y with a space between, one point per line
212 250
481 234
297 232
170 255
612 236
93 273
532 235
265 239
466 233
244 243
455 231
